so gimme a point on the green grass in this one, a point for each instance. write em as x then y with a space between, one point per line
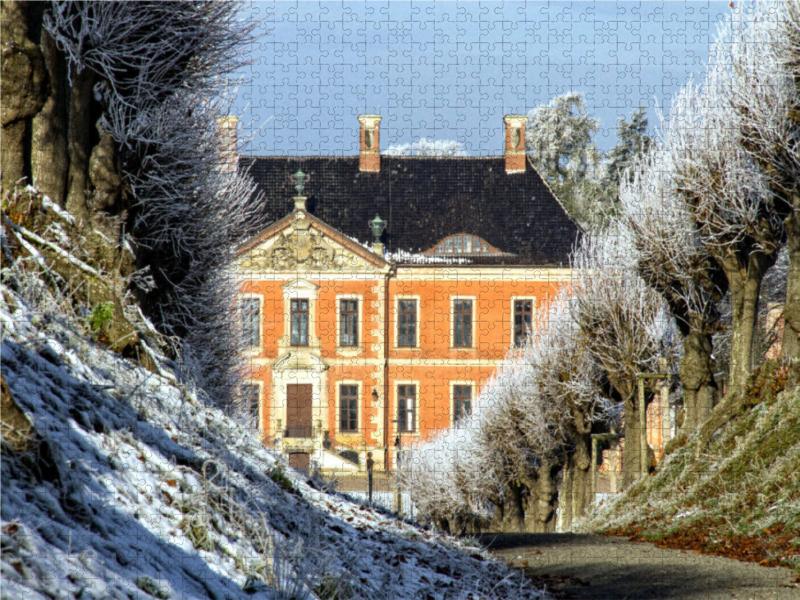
743 492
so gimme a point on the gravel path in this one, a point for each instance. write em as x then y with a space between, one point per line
602 567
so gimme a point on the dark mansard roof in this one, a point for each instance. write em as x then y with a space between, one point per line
423 200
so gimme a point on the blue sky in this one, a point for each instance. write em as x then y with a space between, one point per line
451 70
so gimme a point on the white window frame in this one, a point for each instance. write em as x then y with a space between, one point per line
453 385
299 289
534 315
338 393
474 340
252 350
397 385
397 299
350 350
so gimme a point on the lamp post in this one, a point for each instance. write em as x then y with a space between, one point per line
370 464
398 495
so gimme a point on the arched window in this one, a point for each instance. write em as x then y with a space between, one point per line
463 243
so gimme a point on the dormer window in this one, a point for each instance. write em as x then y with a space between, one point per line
464 243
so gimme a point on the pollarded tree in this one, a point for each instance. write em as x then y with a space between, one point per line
729 197
114 118
764 51
671 259
624 325
568 379
532 419
453 480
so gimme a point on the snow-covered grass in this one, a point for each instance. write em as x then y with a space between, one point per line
135 488
739 498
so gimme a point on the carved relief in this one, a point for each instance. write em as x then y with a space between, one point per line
301 247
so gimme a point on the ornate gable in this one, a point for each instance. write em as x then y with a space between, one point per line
302 243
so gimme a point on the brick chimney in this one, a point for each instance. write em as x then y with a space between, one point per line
369 157
226 131
515 143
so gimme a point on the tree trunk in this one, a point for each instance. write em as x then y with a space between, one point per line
697 377
49 158
745 287
496 524
540 514
790 345
576 489
442 524
23 87
631 461
582 478
12 156
565 516
513 512
731 406
79 136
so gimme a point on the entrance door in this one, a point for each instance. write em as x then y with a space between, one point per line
298 410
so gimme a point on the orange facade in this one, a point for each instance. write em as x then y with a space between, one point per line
389 335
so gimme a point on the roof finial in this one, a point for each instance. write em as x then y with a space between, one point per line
377 225
300 179
300 184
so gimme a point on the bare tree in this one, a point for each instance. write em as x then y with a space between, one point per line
671 259
763 48
117 104
570 378
624 323
530 420
729 197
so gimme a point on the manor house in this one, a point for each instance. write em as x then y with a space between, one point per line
388 289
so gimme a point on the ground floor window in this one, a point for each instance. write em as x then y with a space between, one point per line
462 402
348 407
406 407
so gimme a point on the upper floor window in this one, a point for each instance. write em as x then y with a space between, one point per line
406 407
299 322
462 402
462 323
523 319
407 323
348 407
348 313
464 243
251 319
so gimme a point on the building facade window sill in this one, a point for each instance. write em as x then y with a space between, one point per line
349 350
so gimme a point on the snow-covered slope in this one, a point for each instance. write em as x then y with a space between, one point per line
134 488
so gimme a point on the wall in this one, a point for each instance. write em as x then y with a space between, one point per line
432 366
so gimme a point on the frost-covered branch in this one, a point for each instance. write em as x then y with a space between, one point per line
159 71
739 217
